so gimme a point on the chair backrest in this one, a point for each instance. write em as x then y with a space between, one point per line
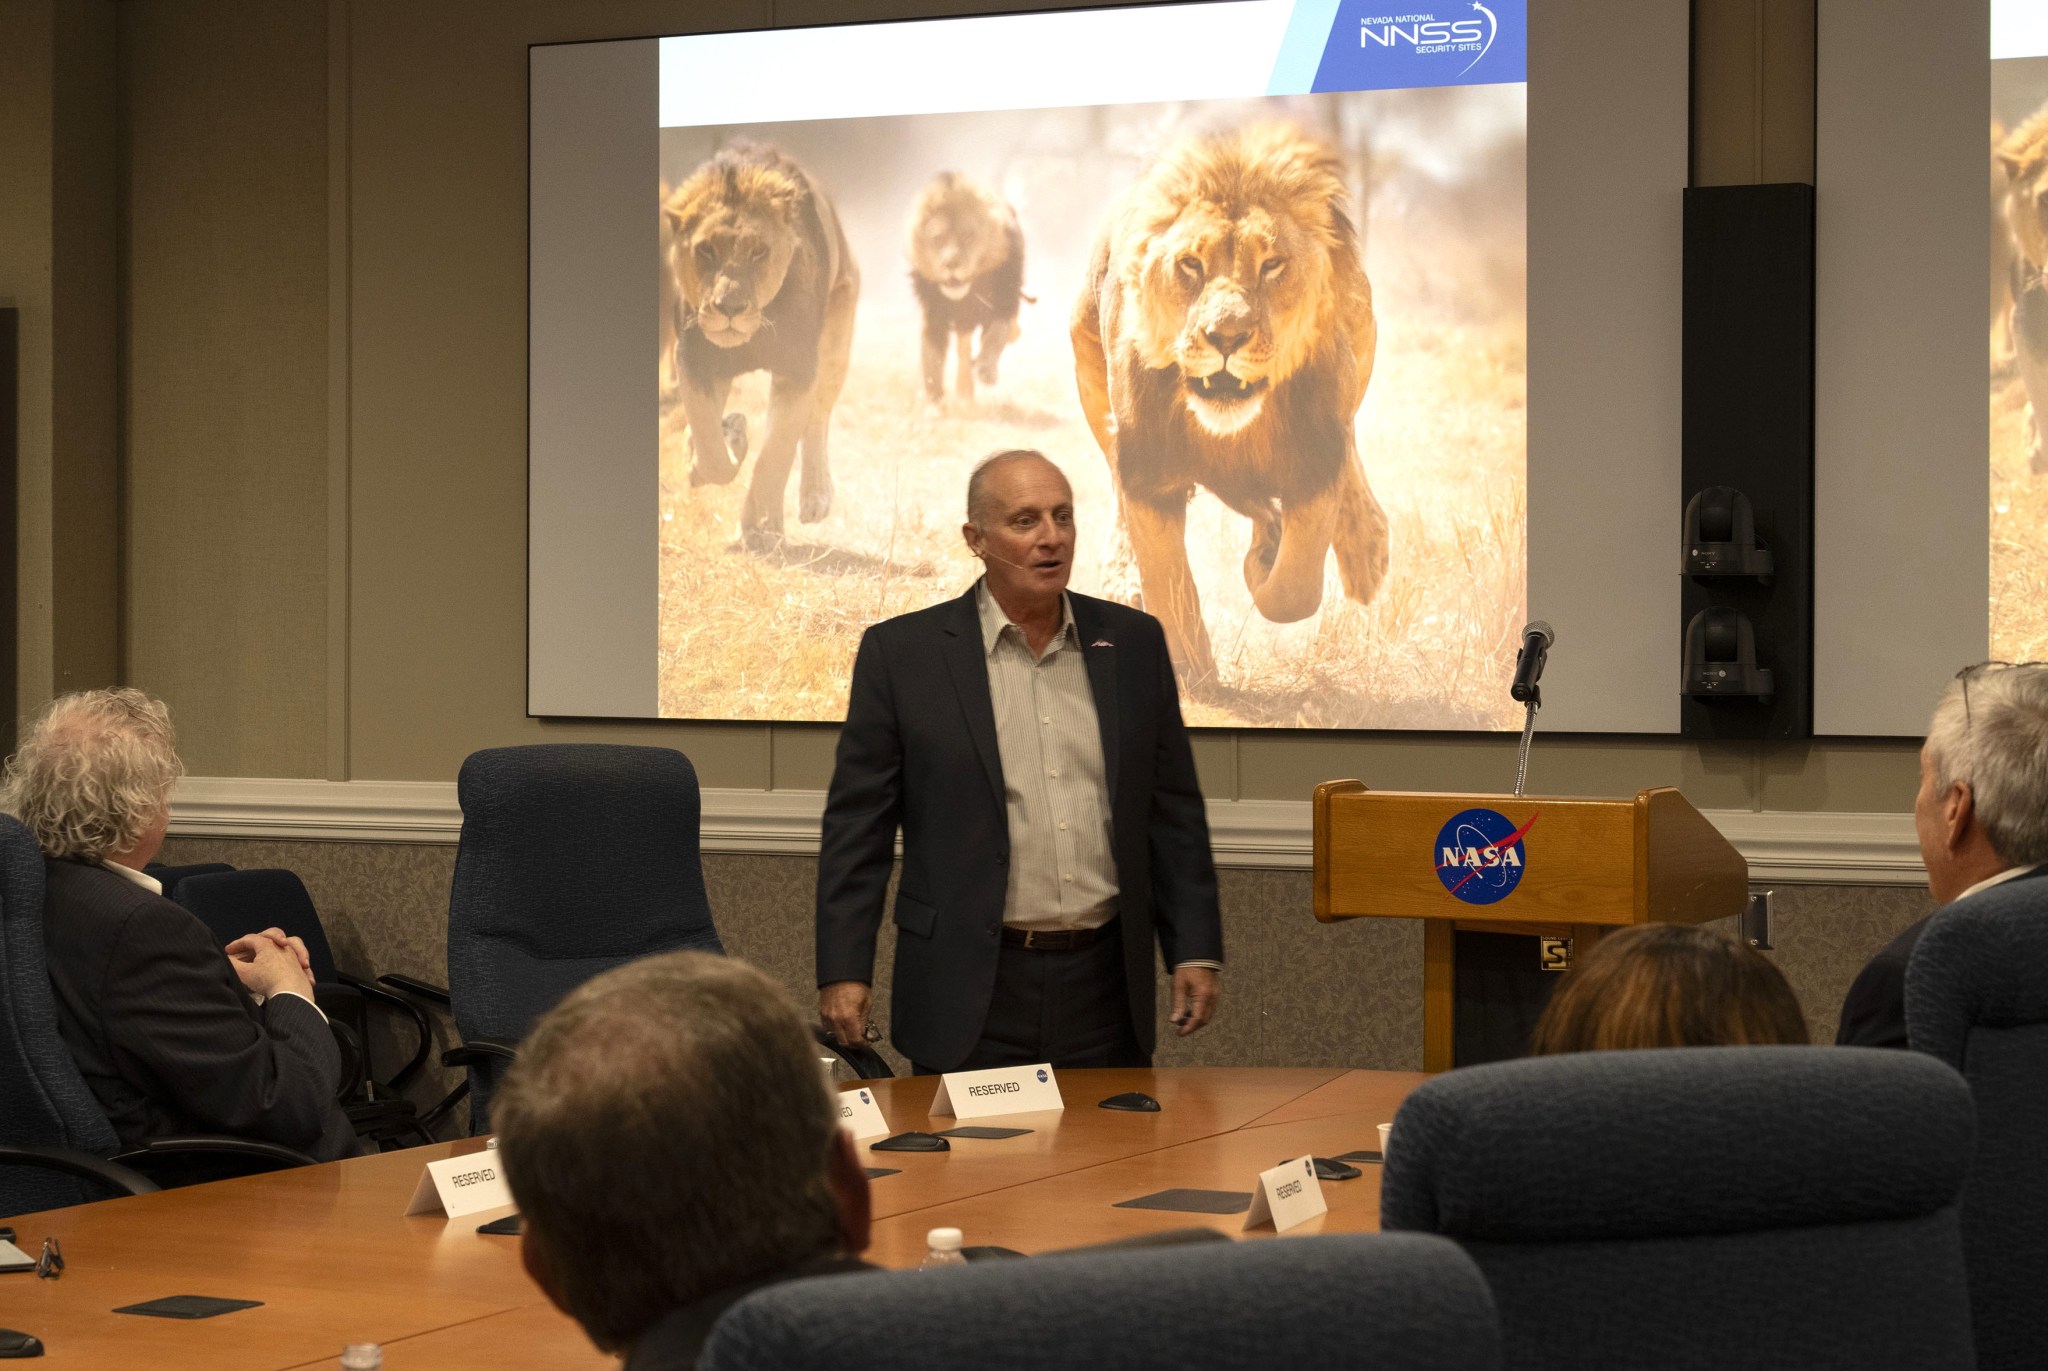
169 876
236 903
1700 1207
1391 1303
574 858
1977 998
44 1101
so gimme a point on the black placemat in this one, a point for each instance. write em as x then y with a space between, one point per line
977 1131
875 1172
188 1307
1192 1201
1362 1155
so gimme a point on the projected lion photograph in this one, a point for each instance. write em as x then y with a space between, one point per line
1277 346
2019 359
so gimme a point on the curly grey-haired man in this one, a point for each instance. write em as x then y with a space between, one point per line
173 1033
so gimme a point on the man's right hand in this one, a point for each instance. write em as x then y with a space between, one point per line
269 966
844 1006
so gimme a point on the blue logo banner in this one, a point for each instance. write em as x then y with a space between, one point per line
1479 855
1373 45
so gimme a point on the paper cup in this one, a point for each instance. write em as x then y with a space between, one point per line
1386 1132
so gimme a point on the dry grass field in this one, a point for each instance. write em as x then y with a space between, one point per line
1442 432
2019 533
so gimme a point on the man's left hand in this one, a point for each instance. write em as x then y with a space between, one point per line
1196 989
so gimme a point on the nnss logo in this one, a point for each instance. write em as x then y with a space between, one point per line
1480 856
1460 43
1425 33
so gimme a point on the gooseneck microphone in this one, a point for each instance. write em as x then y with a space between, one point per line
1536 641
1535 651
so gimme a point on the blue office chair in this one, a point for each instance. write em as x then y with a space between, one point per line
56 1146
1977 999
234 903
170 877
1700 1208
1391 1303
574 858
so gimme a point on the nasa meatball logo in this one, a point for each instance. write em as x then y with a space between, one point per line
1480 857
1042 1077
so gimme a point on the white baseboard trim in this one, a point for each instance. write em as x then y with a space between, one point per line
1814 848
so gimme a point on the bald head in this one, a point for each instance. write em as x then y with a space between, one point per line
1020 523
987 478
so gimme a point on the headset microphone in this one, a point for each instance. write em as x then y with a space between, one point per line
985 554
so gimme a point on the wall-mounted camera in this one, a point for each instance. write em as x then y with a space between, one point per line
1720 658
1720 537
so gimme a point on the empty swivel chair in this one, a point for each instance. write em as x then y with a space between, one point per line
235 903
1391 1303
574 858
1711 1208
170 877
1977 998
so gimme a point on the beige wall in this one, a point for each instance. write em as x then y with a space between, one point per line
59 169
224 124
324 252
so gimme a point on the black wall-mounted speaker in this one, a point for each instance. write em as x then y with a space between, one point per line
1748 432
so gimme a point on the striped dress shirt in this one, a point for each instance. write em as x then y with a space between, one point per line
1055 787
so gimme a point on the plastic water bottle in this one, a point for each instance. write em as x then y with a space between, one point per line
942 1248
362 1356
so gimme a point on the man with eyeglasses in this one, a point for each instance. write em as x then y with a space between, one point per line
1982 819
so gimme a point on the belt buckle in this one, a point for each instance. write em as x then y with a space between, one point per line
1030 938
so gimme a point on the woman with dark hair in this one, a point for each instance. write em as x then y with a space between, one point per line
1668 985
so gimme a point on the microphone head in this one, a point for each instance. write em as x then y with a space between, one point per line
1539 629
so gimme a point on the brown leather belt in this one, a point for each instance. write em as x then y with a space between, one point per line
1052 940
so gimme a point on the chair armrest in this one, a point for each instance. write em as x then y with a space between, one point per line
478 1050
84 1165
411 986
425 1034
220 1145
865 1063
354 1064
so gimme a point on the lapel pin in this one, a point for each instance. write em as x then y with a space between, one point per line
1102 642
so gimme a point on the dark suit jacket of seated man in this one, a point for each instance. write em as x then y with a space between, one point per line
920 751
163 1021
1981 816
164 1031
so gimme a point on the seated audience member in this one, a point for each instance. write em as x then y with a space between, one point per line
1982 818
673 1147
172 1033
1668 985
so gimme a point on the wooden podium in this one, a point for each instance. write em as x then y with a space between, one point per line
1552 867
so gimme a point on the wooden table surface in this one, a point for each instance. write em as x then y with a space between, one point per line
328 1252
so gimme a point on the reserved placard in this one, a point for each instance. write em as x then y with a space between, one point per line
1004 1090
1286 1195
860 1116
461 1185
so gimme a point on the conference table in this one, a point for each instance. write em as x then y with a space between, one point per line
329 1252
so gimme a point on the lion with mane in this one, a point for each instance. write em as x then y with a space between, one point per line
1225 338
2023 158
766 282
967 267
